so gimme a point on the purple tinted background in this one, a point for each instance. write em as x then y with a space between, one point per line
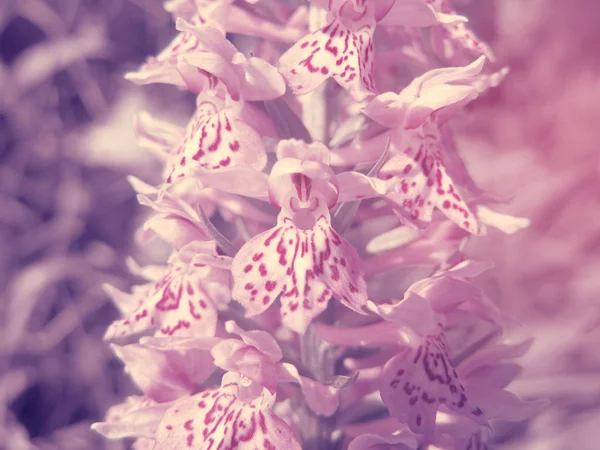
67 213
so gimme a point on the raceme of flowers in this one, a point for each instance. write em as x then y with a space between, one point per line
333 307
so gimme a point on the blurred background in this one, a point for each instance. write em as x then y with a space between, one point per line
67 213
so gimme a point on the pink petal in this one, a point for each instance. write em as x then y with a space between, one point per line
297 149
164 67
250 79
502 404
215 139
262 81
493 355
357 186
346 54
323 400
180 8
416 382
190 356
261 340
238 180
305 266
182 302
423 185
387 109
176 221
451 40
448 88
413 311
240 20
218 419
504 222
154 372
137 417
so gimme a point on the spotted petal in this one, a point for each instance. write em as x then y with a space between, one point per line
219 419
338 50
166 67
182 302
216 137
423 184
451 39
420 379
305 266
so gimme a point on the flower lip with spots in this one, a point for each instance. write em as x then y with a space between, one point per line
303 261
217 418
182 300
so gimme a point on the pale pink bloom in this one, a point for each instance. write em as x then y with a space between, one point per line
421 377
201 57
343 49
455 42
430 301
216 137
423 167
138 417
217 418
302 259
419 380
182 301
448 88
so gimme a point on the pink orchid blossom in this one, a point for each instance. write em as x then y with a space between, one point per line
420 164
302 260
200 57
182 301
452 40
217 137
343 49
219 419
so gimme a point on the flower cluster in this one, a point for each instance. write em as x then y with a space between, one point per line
337 308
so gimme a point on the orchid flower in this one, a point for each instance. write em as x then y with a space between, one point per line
283 202
343 49
183 300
